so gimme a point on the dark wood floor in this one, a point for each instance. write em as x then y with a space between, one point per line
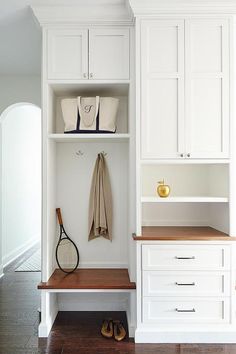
72 333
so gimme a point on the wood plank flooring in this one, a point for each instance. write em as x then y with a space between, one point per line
73 332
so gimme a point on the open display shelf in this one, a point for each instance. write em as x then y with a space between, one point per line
204 199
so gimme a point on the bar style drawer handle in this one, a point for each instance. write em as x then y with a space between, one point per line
185 284
192 310
184 257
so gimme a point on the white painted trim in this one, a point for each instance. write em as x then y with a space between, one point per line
196 199
131 314
106 12
65 138
87 290
184 161
187 222
49 310
17 252
154 7
148 335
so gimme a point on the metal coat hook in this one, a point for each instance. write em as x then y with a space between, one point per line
79 153
103 152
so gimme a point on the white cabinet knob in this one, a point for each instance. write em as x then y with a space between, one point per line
91 75
84 75
188 155
181 155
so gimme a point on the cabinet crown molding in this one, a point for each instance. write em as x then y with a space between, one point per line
90 11
152 7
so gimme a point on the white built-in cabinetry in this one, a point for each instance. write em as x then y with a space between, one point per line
88 54
185 287
179 131
185 88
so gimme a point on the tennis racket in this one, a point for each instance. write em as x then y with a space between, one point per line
67 254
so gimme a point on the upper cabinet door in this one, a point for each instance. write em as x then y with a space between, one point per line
109 54
207 88
68 54
162 89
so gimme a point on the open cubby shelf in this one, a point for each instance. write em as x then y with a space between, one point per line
57 92
67 138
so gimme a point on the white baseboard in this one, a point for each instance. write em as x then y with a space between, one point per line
17 252
49 310
45 328
155 336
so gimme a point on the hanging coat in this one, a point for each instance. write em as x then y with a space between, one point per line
100 202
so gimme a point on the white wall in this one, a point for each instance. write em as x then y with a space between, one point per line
14 89
21 179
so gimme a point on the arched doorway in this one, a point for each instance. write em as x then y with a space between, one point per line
20 180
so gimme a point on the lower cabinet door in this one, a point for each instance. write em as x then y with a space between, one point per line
180 310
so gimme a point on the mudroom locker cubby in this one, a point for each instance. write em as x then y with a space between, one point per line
87 59
172 262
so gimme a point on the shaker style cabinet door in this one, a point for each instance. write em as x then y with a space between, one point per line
68 54
109 54
207 88
162 89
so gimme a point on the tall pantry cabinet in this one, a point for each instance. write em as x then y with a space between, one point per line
185 257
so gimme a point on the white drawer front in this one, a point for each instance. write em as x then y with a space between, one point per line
157 283
185 257
185 310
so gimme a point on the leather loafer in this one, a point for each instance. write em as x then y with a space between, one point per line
119 331
107 328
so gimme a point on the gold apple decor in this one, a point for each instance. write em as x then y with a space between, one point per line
163 189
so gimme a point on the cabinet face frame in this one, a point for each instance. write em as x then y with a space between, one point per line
147 77
80 73
222 75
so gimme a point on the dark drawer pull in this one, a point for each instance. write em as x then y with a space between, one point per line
176 257
192 310
185 284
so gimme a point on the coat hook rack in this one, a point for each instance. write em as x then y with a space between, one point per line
79 153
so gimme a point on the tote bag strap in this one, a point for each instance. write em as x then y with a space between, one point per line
88 119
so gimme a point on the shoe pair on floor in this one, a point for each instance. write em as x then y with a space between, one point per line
114 329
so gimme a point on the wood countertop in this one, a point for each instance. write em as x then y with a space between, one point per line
90 278
181 233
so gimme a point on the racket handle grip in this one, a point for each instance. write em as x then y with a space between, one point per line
58 211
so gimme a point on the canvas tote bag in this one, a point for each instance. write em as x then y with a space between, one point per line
90 114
